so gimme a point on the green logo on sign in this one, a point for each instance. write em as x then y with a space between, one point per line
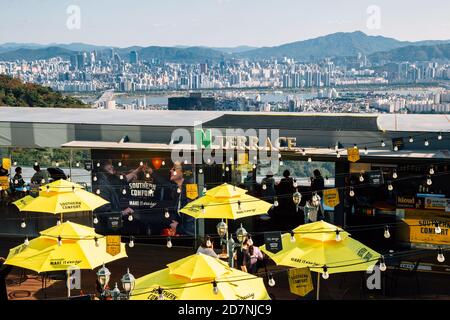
203 139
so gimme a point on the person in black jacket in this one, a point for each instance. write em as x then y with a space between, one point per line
4 271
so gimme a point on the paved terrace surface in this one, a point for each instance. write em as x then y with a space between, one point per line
145 258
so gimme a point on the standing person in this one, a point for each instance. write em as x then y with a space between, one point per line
268 191
242 256
40 177
318 185
286 210
4 271
183 224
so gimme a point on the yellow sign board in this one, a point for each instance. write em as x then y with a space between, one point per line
6 163
423 231
353 154
113 245
4 183
300 281
192 191
331 197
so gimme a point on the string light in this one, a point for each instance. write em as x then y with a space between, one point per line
26 242
124 191
203 209
352 192
95 178
57 164
338 155
303 152
411 139
185 161
264 187
200 170
429 181
271 280
98 191
239 205
36 163
131 243
43 181
325 274
15 163
361 178
120 163
309 159
387 234
382 264
395 148
204 190
275 202
147 175
394 174
58 222
130 217
215 288
167 214
96 242
163 163
355 146
227 169
121 177
77 164
383 144
95 219
366 151
59 241
437 228
208 160
440 256
281 163
208 241
390 187
178 190
23 225
295 183
160 294
169 243
98 164
292 236
426 143
338 235
440 136
431 171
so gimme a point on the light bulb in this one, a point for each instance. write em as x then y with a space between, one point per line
361 178
15 163
208 160
396 148
77 164
203 209
440 136
58 223
120 163
437 229
382 264
36 163
390 187
303 152
147 175
185 161
215 288
96 242
169 243
275 203
227 169
338 155
160 294
208 242
43 181
23 225
264 187
281 163
336 147
426 143
59 241
48 189
57 164
26 242
394 175
204 190
179 190
355 146
411 139
387 234
141 163
163 163
325 274
95 178
352 192
254 166
255 158
295 184
440 256
98 191
124 191
167 214
383 144
292 237
366 151
309 159
338 236
130 217
95 220
200 171
16 181
271 280
131 243
279 156
121 177
431 171
429 182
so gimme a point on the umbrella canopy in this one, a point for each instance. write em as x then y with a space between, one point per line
21 203
226 202
233 285
75 200
59 186
315 246
78 249
199 267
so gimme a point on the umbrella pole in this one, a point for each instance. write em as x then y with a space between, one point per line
318 285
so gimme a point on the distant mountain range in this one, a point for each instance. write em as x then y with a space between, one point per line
339 44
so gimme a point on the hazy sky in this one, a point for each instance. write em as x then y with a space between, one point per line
217 22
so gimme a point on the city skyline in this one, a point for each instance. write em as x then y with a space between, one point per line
220 23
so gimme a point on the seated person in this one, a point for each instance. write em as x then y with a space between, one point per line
207 247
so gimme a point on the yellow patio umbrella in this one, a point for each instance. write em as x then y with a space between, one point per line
79 247
21 203
232 285
317 248
62 248
226 202
59 186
